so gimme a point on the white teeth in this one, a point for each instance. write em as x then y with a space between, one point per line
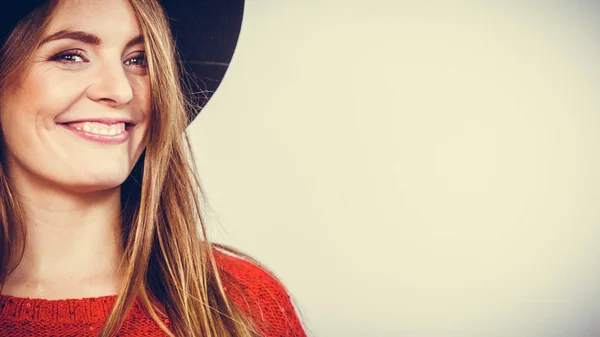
102 129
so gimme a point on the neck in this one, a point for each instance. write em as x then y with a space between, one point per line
73 246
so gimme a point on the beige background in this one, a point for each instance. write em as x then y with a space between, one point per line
414 168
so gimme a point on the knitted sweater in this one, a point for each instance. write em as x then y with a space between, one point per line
251 288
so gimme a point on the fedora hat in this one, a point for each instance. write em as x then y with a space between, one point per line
205 33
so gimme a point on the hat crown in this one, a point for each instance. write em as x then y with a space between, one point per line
11 15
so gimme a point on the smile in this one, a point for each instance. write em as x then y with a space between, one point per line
100 128
100 132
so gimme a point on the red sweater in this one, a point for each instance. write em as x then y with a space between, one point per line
255 291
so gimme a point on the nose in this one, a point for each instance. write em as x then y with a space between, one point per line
111 85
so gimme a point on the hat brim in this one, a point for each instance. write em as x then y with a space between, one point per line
206 33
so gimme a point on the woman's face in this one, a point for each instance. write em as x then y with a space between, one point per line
78 117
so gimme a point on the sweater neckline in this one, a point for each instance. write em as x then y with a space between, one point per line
66 311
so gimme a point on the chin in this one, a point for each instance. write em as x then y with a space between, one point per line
96 182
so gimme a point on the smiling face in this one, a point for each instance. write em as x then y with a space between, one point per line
77 118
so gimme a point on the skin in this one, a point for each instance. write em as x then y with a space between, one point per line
70 185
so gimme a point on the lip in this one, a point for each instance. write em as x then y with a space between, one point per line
107 121
104 139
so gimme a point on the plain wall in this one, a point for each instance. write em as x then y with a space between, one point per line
414 168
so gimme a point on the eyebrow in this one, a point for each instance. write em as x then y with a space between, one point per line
86 38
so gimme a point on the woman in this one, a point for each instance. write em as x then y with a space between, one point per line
100 204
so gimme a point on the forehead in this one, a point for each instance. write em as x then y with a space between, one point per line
102 17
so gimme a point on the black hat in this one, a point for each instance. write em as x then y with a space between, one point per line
205 32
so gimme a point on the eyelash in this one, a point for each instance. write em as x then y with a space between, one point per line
71 54
60 57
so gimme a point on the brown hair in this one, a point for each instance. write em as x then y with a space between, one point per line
168 261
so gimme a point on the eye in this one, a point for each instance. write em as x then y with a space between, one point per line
139 60
69 56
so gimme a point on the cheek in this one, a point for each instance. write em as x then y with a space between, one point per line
141 109
30 109
40 98
142 94
19 113
55 94
143 101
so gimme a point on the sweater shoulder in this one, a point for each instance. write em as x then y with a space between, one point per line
259 294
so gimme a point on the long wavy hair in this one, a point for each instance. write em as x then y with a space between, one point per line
168 261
